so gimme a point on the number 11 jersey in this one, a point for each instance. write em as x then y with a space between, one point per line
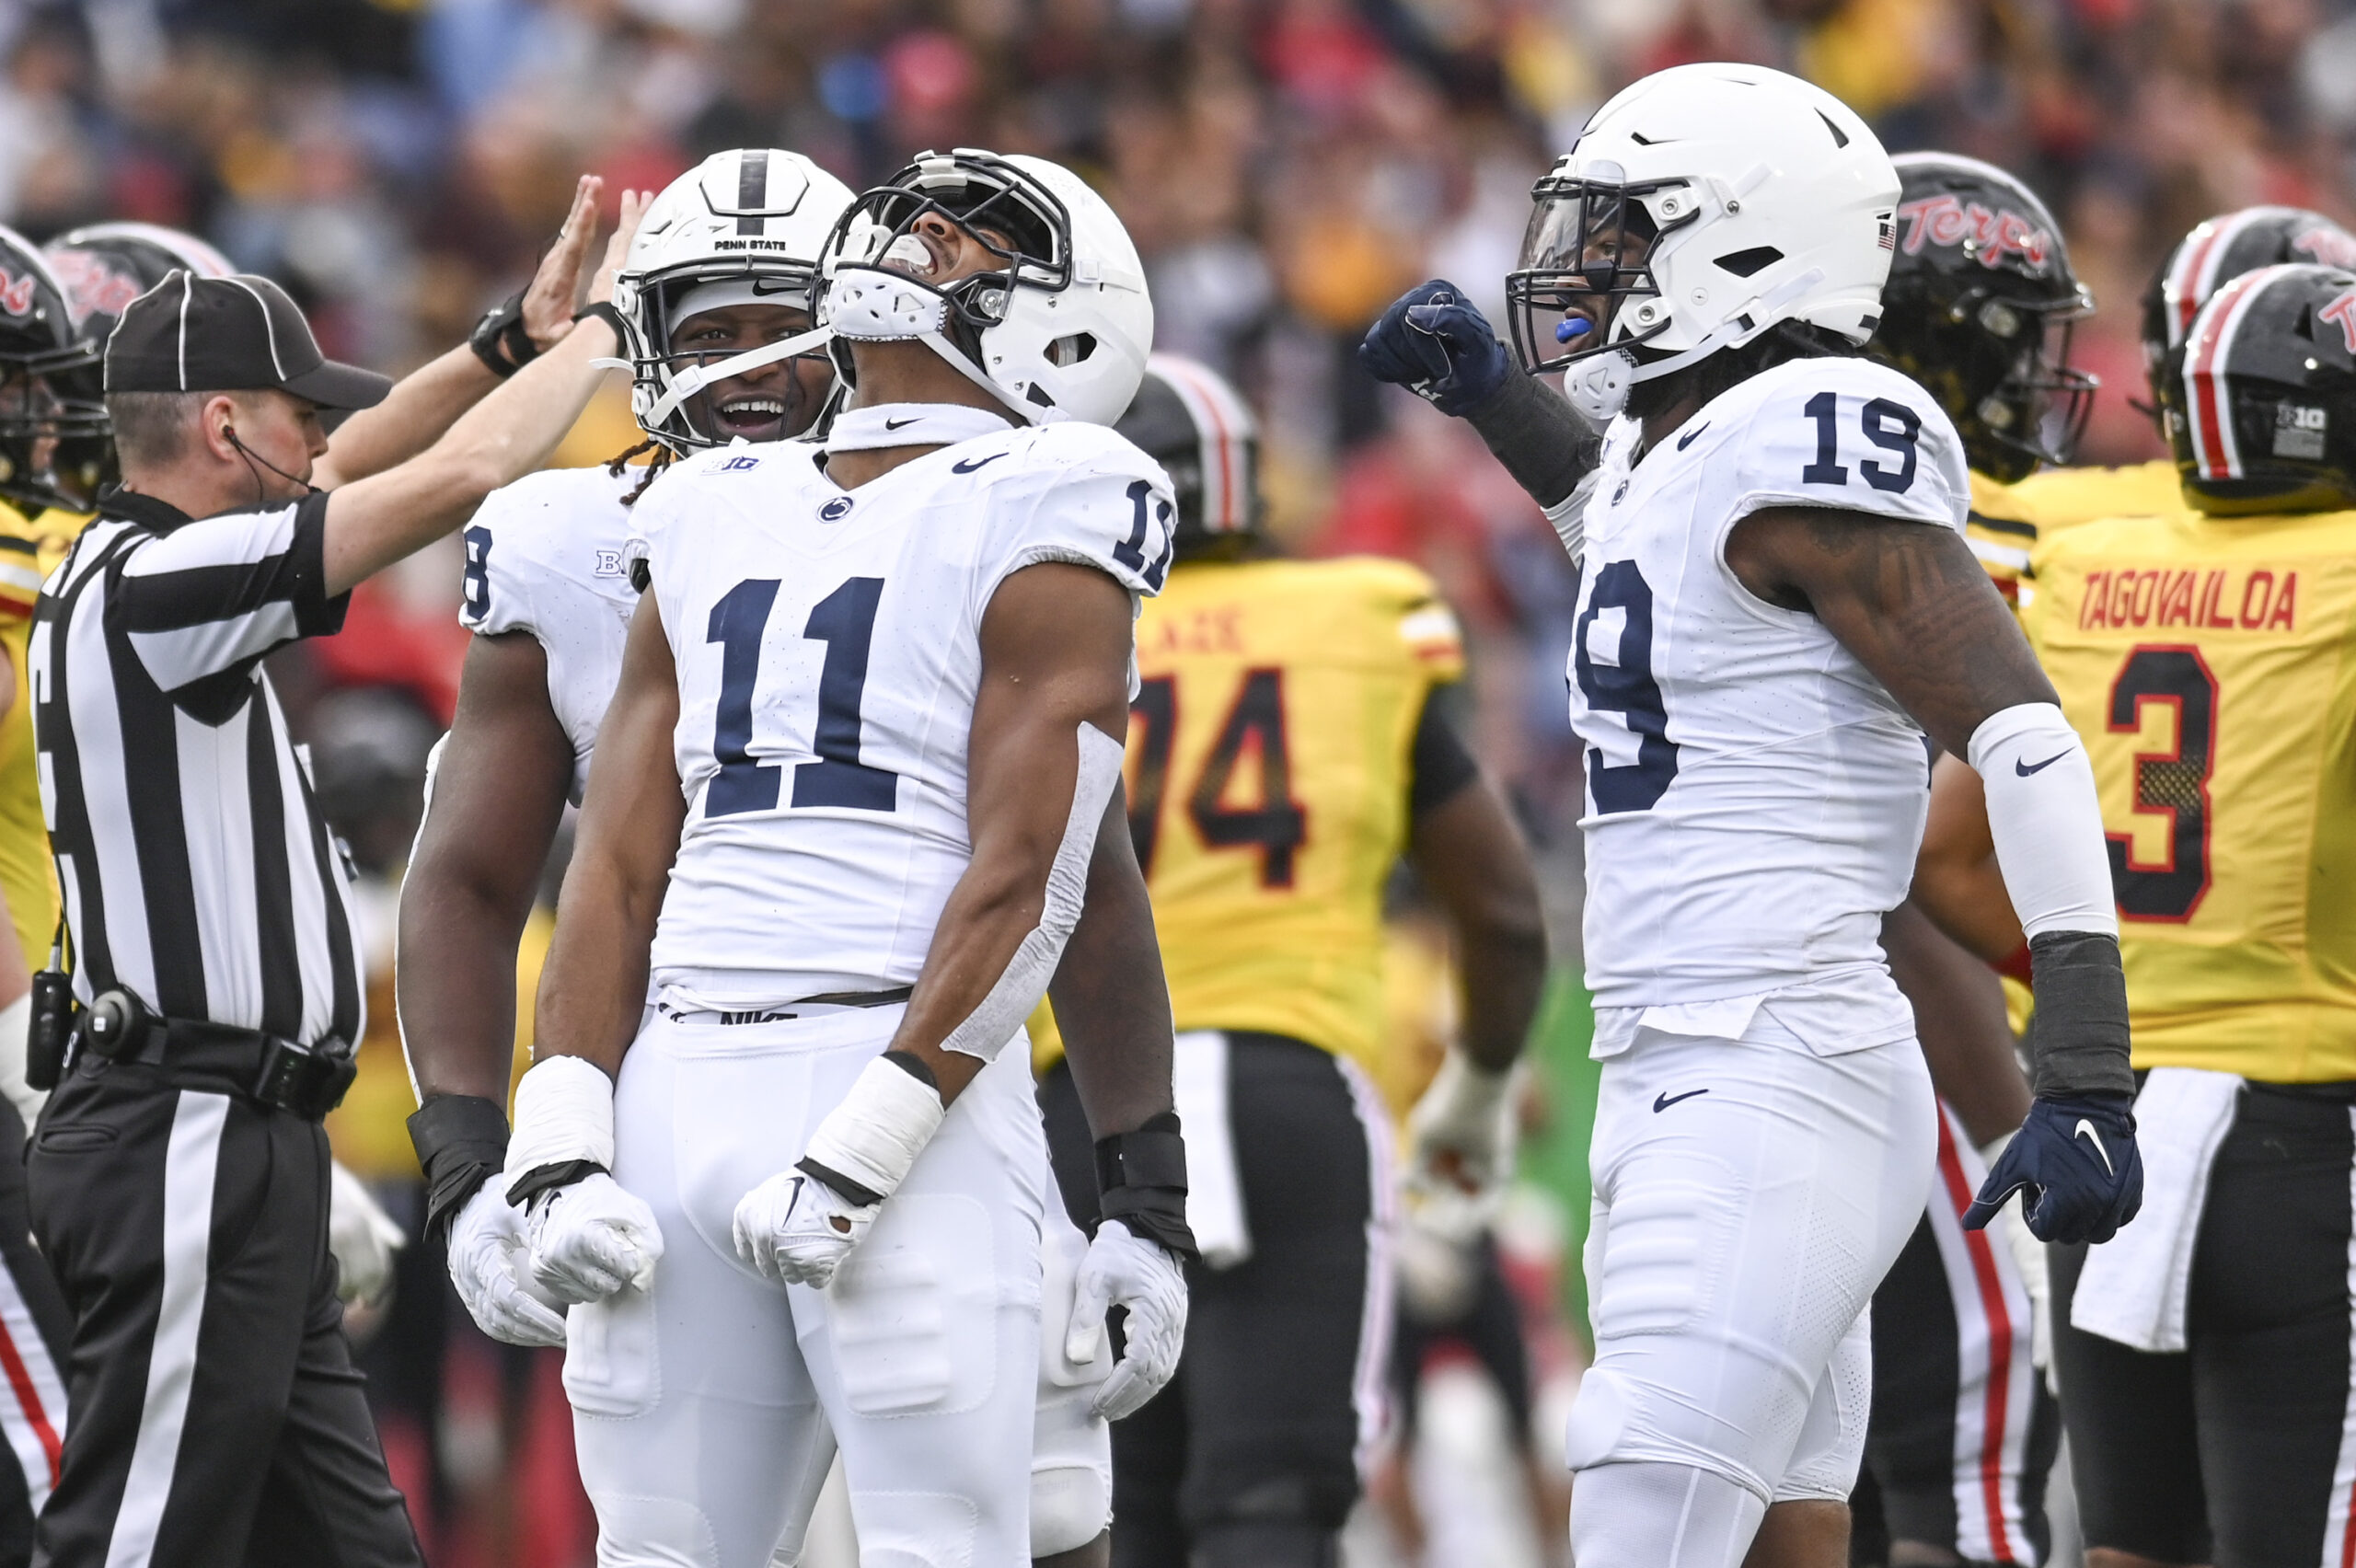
1755 796
828 651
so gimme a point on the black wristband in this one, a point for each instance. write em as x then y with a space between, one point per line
1539 437
604 311
1142 1181
500 340
835 1181
548 1178
461 1142
2077 1037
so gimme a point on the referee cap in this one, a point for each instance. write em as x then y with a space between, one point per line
240 333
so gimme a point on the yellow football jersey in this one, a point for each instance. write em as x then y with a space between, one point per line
1268 772
30 550
2006 521
2210 664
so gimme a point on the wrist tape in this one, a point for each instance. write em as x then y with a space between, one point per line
2045 819
461 1142
564 1127
865 1145
1142 1181
2077 1038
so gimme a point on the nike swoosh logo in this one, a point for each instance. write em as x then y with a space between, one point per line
1663 1101
2085 1130
967 465
895 425
1688 438
2024 769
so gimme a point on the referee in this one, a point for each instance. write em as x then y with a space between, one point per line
179 1179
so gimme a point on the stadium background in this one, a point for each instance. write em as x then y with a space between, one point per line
1287 166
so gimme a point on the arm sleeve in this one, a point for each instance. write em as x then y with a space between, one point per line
1843 433
222 591
1440 764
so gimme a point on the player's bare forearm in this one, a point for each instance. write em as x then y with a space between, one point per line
1473 860
1956 881
592 989
1055 647
1111 1004
491 813
1960 1018
1909 599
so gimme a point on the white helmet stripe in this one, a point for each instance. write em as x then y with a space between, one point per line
2194 278
1222 424
2208 400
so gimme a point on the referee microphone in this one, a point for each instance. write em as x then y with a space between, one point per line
229 435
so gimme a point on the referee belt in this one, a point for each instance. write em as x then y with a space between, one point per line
302 1080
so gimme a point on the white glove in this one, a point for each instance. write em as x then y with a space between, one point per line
361 1236
591 1237
1120 1270
797 1230
1460 1146
489 1253
2028 1256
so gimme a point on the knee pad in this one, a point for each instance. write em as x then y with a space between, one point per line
1267 1543
1070 1505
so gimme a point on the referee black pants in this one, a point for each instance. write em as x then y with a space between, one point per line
1249 1458
2238 1450
217 1422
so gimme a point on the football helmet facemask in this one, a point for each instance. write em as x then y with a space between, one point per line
1186 418
1979 308
50 389
2212 255
745 226
1702 206
104 267
2268 394
1059 331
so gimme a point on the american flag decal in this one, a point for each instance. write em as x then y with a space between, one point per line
1889 233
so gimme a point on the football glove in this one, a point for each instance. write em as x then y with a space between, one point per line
795 1229
1122 1271
1460 1146
590 1238
2076 1164
361 1236
1439 347
489 1254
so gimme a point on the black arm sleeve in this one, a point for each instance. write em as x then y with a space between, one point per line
1539 437
2078 1037
1438 765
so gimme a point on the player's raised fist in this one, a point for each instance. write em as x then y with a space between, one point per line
1439 347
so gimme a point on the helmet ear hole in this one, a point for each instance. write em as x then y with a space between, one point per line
1743 263
1070 350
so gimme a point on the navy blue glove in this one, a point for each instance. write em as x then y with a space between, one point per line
1437 347
2075 1163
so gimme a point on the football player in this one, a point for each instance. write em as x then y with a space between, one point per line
1978 310
1288 743
863 764
548 599
1775 593
2206 658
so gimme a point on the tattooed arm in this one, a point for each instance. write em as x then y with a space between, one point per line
1908 599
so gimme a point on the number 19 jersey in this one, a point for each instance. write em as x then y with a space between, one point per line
1754 795
2210 664
828 651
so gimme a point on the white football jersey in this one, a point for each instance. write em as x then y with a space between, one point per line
829 655
544 556
1754 796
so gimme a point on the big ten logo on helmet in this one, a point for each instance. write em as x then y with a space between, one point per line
93 285
2299 430
1991 237
17 292
2332 246
2341 313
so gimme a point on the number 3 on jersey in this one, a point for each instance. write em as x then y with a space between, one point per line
845 621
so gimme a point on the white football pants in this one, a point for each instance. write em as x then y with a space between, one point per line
1749 1194
707 1409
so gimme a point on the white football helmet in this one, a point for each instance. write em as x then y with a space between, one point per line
744 226
1701 206
1059 333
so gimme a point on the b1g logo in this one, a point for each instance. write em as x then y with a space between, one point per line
1989 237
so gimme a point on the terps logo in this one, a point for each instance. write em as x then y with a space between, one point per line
1991 236
92 287
16 294
2341 313
2332 246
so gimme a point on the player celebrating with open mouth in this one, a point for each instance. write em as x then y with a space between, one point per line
1776 602
862 763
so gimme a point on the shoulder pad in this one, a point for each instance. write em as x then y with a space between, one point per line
534 546
1846 434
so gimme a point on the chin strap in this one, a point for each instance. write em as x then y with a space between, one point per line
873 304
1599 387
698 377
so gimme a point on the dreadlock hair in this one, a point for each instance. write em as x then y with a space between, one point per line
1731 367
662 459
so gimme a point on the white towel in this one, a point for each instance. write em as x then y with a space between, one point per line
2134 1287
1214 1193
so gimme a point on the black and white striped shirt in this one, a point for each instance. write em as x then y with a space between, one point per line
197 870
